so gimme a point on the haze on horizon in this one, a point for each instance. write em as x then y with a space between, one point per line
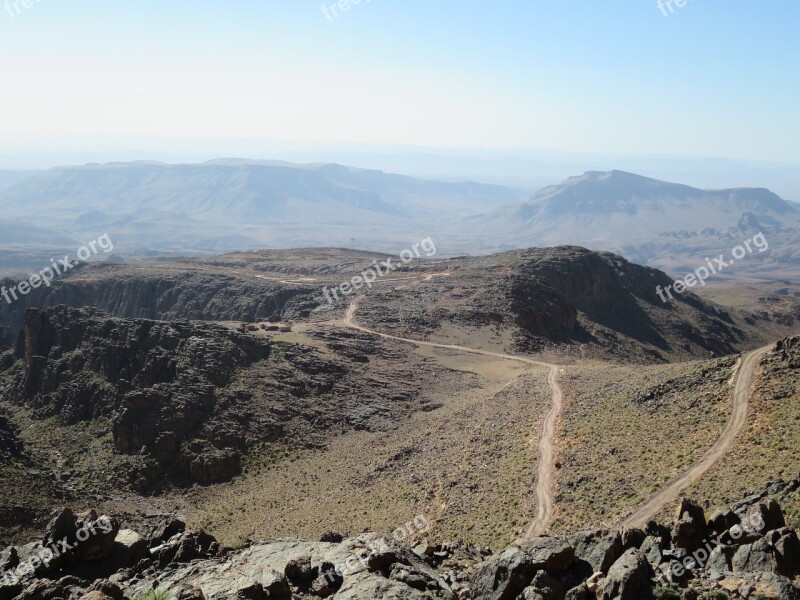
708 80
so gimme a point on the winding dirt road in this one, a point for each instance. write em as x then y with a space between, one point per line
545 468
742 388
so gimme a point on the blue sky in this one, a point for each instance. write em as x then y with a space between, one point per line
714 78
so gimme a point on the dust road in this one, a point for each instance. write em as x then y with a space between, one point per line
743 383
545 468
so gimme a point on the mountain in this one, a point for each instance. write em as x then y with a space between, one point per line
619 206
9 178
232 204
653 222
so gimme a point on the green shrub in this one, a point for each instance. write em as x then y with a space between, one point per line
238 542
668 592
718 595
154 594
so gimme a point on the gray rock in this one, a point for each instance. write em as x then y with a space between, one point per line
629 578
505 575
652 549
719 561
600 549
632 538
689 531
777 552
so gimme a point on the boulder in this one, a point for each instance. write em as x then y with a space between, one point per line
629 578
191 593
554 555
129 549
60 527
43 590
689 531
107 589
632 537
652 548
580 592
186 547
777 552
721 521
719 561
167 530
9 559
95 536
544 587
765 515
331 537
299 569
600 549
505 575
412 577
275 584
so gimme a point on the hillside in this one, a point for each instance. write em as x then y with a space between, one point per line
567 300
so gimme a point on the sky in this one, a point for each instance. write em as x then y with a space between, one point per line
713 78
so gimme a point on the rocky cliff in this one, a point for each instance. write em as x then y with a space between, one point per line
164 294
171 391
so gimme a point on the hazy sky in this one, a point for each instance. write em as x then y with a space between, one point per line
715 78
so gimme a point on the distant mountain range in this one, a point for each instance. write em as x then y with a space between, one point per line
232 204
151 208
652 222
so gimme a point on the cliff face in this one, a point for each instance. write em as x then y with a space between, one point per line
167 388
10 445
612 293
164 295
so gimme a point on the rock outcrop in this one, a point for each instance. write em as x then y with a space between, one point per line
119 563
169 389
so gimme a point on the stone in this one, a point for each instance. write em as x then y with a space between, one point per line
629 578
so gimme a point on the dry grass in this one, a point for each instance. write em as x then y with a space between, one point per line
767 451
617 451
468 466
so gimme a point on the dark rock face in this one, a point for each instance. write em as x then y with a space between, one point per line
169 388
165 295
617 294
538 308
10 444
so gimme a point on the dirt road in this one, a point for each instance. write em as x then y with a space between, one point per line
742 388
545 467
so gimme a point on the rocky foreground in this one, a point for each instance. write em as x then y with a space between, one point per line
745 552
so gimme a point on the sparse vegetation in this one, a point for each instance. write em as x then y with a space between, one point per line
155 594
668 592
